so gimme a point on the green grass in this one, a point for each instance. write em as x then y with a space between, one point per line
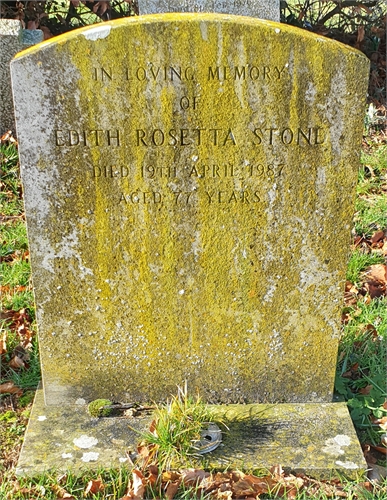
371 203
177 427
28 378
359 261
20 300
11 203
13 238
371 215
361 371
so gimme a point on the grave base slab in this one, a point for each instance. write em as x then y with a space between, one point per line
313 438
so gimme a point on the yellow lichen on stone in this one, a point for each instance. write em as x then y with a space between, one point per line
198 175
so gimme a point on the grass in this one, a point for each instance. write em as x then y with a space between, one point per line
360 371
371 214
176 430
361 376
358 262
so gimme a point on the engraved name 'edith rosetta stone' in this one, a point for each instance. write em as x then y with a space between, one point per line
189 184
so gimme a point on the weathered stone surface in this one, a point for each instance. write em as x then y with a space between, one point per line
264 9
311 438
13 39
189 184
10 30
317 439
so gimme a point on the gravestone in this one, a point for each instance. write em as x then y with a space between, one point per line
13 39
263 9
189 199
9 46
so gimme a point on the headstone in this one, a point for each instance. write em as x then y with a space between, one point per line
9 46
13 39
189 184
262 9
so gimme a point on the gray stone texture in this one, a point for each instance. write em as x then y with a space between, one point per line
312 438
13 39
262 9
10 44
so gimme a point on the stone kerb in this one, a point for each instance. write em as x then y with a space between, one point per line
189 184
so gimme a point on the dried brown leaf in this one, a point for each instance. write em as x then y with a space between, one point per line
377 237
192 477
136 487
153 475
10 388
376 280
61 493
3 344
170 476
152 427
16 363
223 495
94 486
382 422
172 489
365 390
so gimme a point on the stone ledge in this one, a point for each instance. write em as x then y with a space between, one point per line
313 438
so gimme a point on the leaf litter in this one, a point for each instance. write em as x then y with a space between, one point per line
233 485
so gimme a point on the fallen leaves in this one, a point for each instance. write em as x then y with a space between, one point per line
61 493
136 487
10 388
376 280
94 486
229 485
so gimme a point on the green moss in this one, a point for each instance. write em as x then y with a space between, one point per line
96 408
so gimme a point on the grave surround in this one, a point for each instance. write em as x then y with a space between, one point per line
189 203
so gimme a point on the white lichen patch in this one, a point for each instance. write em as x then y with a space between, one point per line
42 418
334 446
96 33
90 456
85 441
342 440
347 465
67 455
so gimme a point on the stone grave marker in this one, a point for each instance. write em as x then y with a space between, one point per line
189 184
13 39
264 9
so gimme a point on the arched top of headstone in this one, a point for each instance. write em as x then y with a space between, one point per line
264 27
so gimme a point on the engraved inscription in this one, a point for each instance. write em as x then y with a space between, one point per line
177 73
211 136
212 197
198 170
307 136
88 138
185 137
248 72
